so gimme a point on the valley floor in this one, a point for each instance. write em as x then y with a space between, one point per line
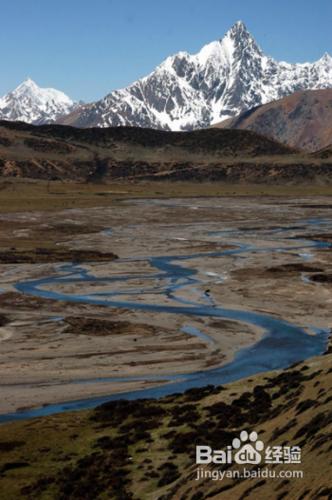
160 289
159 294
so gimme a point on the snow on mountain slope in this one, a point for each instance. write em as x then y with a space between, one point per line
32 104
188 91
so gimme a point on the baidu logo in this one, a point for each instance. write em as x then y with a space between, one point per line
248 449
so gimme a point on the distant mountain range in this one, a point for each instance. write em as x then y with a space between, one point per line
223 79
302 120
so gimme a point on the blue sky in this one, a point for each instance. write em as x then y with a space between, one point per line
89 47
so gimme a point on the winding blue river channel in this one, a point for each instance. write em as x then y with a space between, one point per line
281 345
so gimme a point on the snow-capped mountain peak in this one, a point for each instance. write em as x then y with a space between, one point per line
33 104
28 83
325 60
189 91
184 92
239 36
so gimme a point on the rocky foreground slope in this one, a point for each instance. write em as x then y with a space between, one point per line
146 449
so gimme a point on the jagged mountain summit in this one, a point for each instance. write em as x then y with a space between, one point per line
187 91
33 104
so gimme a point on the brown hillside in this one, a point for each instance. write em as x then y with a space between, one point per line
302 120
58 152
